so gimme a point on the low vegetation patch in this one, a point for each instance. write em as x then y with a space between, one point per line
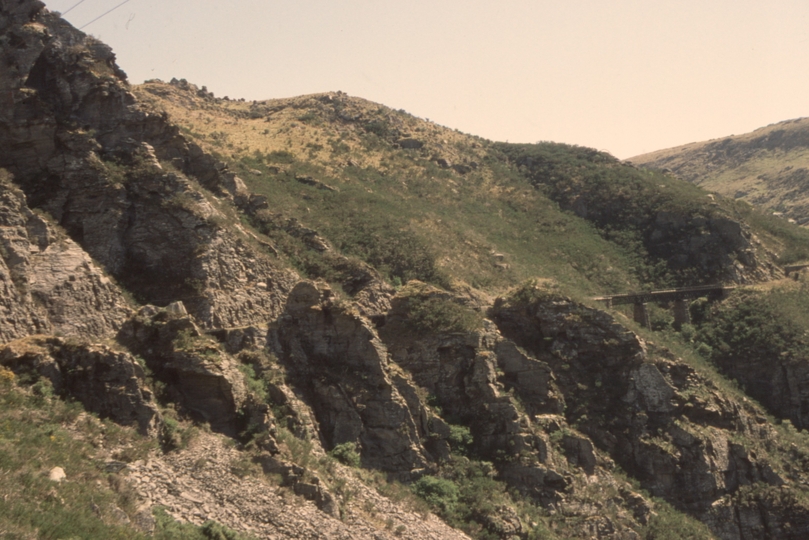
34 438
758 326
346 454
434 311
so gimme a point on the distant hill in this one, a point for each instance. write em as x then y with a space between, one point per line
768 167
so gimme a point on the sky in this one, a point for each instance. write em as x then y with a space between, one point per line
624 76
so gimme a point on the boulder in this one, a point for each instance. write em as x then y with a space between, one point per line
57 474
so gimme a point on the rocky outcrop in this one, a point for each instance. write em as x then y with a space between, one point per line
511 403
107 382
460 373
203 380
125 185
310 488
650 412
760 513
336 359
716 246
544 396
48 283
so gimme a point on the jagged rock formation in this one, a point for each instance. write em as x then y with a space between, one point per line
653 414
202 379
107 382
83 150
342 364
48 284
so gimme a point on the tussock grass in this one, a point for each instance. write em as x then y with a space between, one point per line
34 438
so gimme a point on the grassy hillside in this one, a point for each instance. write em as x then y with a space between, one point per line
39 431
767 167
417 200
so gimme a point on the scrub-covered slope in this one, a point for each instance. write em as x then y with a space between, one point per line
417 200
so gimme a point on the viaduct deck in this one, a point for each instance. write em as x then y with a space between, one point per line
788 269
668 295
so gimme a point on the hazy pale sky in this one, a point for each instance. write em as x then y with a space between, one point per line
625 76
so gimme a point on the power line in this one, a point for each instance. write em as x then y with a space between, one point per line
103 14
71 7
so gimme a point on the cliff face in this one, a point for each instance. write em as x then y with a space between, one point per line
49 283
653 414
511 417
114 176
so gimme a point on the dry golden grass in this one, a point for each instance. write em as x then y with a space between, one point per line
757 167
289 125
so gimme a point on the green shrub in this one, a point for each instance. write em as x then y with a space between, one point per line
460 439
441 315
346 453
439 493
42 388
254 384
687 331
170 434
704 350
378 127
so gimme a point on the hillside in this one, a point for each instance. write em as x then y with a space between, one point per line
766 168
358 172
318 317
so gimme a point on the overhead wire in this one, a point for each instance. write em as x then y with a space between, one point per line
71 7
103 15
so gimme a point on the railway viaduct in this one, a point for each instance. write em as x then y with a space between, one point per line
678 296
